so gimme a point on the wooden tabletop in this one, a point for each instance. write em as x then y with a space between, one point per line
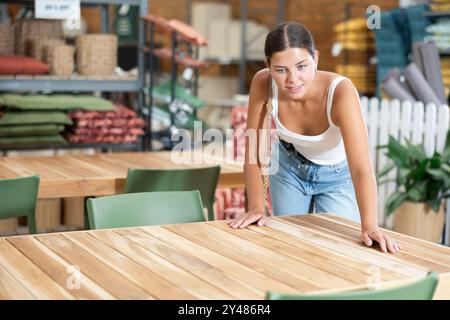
105 173
208 260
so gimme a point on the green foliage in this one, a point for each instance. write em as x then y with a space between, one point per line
419 178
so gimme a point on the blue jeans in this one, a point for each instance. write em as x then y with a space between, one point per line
301 186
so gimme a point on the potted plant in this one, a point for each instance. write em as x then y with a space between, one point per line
423 183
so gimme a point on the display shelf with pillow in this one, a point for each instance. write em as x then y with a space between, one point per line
33 77
113 83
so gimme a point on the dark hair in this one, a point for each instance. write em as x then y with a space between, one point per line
286 35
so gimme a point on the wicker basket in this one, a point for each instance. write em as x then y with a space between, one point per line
6 39
60 58
38 46
96 54
29 29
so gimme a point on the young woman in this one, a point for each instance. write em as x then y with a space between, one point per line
323 153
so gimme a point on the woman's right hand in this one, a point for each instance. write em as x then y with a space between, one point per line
248 218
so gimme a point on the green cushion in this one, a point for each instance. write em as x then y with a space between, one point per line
182 119
32 142
30 130
55 102
21 118
163 93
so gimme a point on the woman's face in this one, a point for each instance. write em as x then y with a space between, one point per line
294 71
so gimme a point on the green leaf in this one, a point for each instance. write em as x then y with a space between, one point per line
419 172
394 201
403 174
387 168
415 194
446 167
434 204
435 161
438 174
386 181
416 151
397 152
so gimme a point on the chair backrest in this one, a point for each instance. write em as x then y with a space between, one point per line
145 208
419 290
202 179
18 198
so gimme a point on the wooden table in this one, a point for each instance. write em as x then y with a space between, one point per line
314 253
103 174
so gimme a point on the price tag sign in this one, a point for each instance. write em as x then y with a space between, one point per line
57 9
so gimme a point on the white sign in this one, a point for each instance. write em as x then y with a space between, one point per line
57 9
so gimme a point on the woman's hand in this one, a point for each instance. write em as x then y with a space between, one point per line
247 218
386 244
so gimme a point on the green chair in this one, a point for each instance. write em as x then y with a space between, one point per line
145 208
419 290
18 199
202 179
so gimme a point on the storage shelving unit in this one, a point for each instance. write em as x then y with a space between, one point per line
243 60
77 83
437 15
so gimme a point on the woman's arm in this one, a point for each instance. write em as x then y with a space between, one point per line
252 172
347 114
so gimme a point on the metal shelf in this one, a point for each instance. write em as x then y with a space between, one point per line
93 2
437 14
243 59
225 61
69 85
85 84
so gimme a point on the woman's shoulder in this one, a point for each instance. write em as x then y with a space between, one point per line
328 77
342 87
260 82
262 76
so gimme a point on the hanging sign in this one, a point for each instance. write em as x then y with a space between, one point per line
57 9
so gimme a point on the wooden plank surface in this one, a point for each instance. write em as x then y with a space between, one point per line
209 260
104 174
30 276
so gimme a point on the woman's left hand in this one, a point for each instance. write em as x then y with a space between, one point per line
386 243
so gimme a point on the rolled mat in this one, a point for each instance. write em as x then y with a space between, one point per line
432 69
395 90
397 74
422 89
417 55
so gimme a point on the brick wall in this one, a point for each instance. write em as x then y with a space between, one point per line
319 16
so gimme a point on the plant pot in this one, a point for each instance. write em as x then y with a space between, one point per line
417 220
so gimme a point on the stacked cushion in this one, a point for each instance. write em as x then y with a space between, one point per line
32 129
119 126
12 65
36 121
55 102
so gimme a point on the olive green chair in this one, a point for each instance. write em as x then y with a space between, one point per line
202 179
419 290
145 208
18 198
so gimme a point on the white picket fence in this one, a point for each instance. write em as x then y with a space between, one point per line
414 121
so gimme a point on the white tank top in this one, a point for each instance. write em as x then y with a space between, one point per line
324 149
